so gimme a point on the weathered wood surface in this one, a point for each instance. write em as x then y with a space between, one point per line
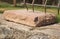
29 17
11 30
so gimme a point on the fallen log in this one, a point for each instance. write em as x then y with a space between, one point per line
29 17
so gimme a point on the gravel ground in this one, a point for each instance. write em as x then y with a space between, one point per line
52 30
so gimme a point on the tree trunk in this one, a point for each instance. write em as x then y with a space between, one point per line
25 5
14 2
0 0
43 2
33 5
53 3
45 5
58 6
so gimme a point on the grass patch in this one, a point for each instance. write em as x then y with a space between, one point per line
6 6
39 8
58 18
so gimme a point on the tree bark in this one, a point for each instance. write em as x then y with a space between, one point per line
33 5
45 5
53 3
43 2
58 6
14 2
24 1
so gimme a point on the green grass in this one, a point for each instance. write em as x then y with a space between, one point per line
9 7
6 6
58 19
